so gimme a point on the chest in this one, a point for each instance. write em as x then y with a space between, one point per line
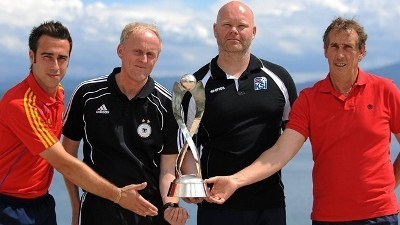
112 115
250 97
51 115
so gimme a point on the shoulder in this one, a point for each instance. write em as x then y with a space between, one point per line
276 68
378 79
16 96
202 72
96 86
377 82
161 91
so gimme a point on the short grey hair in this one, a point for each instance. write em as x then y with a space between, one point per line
137 27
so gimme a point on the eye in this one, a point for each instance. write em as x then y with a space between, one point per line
63 59
151 55
138 52
334 45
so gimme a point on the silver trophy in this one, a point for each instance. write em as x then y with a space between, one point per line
191 185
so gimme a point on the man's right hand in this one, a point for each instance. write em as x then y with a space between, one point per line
133 201
223 187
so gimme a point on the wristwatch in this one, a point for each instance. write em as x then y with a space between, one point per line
170 204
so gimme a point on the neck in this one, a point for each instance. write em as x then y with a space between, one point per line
343 84
233 64
128 86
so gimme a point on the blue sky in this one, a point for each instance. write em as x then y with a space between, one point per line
289 33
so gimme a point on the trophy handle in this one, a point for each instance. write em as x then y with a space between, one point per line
199 97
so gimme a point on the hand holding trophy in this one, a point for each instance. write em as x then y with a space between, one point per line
191 185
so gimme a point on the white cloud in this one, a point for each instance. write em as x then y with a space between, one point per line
13 44
288 31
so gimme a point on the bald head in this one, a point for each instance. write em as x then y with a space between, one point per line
235 7
234 29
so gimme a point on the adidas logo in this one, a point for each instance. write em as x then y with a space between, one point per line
102 110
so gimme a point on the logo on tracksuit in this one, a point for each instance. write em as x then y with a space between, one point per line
260 83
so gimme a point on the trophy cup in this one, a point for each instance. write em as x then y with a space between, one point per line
191 185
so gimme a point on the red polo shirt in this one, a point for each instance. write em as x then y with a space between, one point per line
30 122
353 176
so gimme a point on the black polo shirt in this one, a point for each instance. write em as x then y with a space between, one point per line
241 123
122 138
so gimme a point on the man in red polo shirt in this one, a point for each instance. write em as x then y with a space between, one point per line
349 117
30 128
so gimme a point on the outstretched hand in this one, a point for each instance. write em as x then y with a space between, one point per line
222 188
133 201
176 215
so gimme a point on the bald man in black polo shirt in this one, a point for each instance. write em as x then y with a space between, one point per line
247 103
129 135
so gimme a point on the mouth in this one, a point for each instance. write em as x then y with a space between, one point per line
340 64
54 75
140 67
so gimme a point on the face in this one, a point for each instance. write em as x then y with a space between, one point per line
234 29
50 62
139 53
343 53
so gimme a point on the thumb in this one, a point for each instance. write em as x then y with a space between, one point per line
141 186
210 180
136 187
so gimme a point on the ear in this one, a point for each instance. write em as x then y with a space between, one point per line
119 51
325 53
254 31
31 56
214 27
362 54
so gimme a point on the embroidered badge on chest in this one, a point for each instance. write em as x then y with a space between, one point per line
144 129
260 83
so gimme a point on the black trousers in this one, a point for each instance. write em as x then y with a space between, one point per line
99 211
241 217
18 211
383 220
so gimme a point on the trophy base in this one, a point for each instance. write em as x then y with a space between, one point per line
187 186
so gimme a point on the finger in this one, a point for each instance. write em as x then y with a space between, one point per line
215 199
174 214
147 211
144 204
210 180
183 216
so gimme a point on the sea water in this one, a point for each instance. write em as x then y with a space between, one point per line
296 176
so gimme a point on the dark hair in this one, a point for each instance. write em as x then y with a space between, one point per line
49 28
340 23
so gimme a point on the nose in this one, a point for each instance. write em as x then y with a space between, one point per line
340 53
234 30
143 58
54 64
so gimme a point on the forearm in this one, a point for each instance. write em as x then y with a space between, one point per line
189 164
271 160
79 173
167 175
72 147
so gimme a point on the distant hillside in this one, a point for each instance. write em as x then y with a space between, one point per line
391 71
70 85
